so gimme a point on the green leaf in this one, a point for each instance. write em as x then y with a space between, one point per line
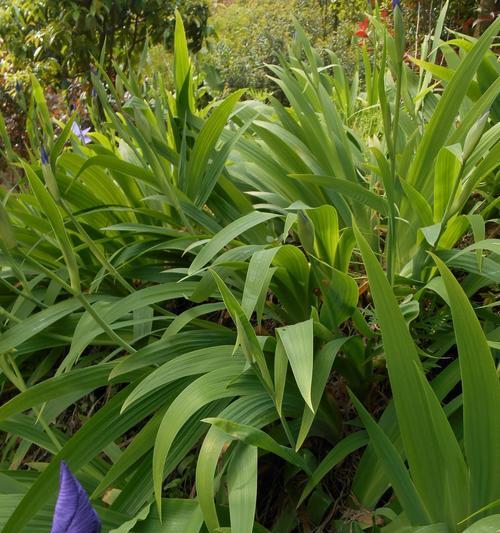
298 343
255 281
353 190
49 207
491 524
446 174
182 64
225 236
326 232
188 364
280 372
246 334
323 363
339 452
481 395
395 469
436 462
198 186
113 163
242 488
36 323
256 410
256 437
80 380
208 388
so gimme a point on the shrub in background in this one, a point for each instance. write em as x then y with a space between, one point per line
57 40
254 33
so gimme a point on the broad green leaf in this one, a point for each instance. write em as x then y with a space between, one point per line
280 373
298 343
182 64
446 172
120 166
79 380
258 268
323 363
189 364
326 232
36 323
242 488
208 388
186 317
198 186
53 214
255 410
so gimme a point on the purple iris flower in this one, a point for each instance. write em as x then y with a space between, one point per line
73 512
81 134
396 3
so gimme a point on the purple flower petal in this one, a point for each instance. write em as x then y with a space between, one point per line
396 3
81 134
73 512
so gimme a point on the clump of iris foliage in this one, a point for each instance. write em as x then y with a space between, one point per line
280 317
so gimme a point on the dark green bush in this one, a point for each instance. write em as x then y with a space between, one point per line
57 39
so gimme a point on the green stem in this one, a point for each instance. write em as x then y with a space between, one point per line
391 233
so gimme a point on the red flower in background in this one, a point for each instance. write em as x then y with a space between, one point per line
363 26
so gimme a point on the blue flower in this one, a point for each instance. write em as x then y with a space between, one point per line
73 512
43 155
396 3
81 134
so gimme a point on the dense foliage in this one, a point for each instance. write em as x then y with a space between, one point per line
59 40
261 316
251 34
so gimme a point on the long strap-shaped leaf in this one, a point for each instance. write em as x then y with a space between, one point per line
208 388
242 488
436 462
481 395
395 468
225 236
